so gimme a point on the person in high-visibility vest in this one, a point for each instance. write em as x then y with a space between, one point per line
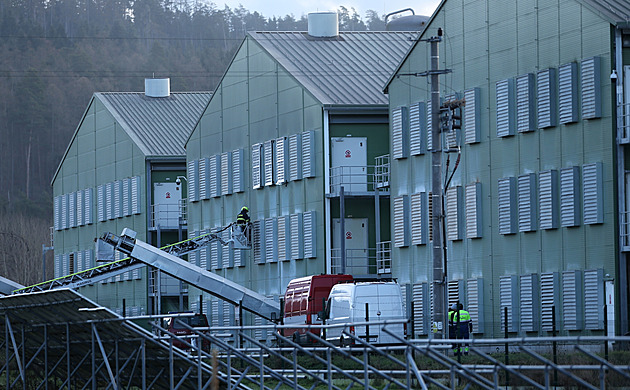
242 220
461 324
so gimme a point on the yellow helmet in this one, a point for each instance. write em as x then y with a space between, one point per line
244 208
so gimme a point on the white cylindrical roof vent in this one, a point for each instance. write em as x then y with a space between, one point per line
157 88
323 24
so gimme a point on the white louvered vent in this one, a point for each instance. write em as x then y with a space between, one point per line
401 221
80 217
295 157
548 300
118 200
227 252
282 153
594 299
214 175
226 173
429 126
454 213
268 148
201 259
100 199
420 317
529 303
136 200
593 193
193 174
57 212
109 196
455 292
258 241
270 240
72 210
308 154
475 304
256 166
419 218
548 199
508 286
399 132
473 210
430 215
527 202
472 126
282 238
80 264
570 214
205 177
238 173
215 255
310 249
88 214
417 128
505 107
296 237
591 88
239 257
546 98
572 310
567 93
126 197
525 114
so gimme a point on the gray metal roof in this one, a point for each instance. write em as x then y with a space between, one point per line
616 11
159 126
350 69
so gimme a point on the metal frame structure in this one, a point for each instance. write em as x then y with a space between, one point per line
59 339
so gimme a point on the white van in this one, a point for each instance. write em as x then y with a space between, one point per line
346 304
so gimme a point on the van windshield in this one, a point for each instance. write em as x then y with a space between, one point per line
340 307
195 322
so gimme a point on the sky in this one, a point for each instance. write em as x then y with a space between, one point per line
269 8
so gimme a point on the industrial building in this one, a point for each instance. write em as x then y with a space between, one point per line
120 170
536 211
296 117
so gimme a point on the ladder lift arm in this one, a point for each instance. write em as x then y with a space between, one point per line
193 275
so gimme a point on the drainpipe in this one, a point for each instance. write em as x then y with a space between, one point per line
327 216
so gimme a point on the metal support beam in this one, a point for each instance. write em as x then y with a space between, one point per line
16 352
105 359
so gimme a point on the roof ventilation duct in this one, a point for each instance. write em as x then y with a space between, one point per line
323 24
157 88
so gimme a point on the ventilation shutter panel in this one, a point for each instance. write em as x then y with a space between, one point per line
100 198
58 266
88 213
594 299
296 237
258 243
417 128
507 203
591 88
282 238
109 200
202 257
281 160
525 114
546 97
569 196
527 202
126 197
455 289
57 206
270 240
205 177
475 304
420 317
226 173
193 172
136 199
453 213
308 154
473 210
430 215
429 127
215 254
269 162
310 225
505 107
80 205
548 199
548 299
401 221
472 116
572 287
214 175
238 172
79 262
508 299
592 195
529 303
295 157
418 218
227 252
256 166
399 132
567 93
118 212
72 208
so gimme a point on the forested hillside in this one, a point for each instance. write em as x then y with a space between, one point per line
54 54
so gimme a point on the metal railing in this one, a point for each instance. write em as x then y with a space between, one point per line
358 261
381 171
624 222
384 257
169 216
359 180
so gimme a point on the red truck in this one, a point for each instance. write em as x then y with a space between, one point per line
304 299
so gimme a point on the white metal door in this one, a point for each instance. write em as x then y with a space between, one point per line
356 238
349 164
166 197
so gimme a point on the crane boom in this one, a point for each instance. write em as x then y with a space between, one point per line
193 275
